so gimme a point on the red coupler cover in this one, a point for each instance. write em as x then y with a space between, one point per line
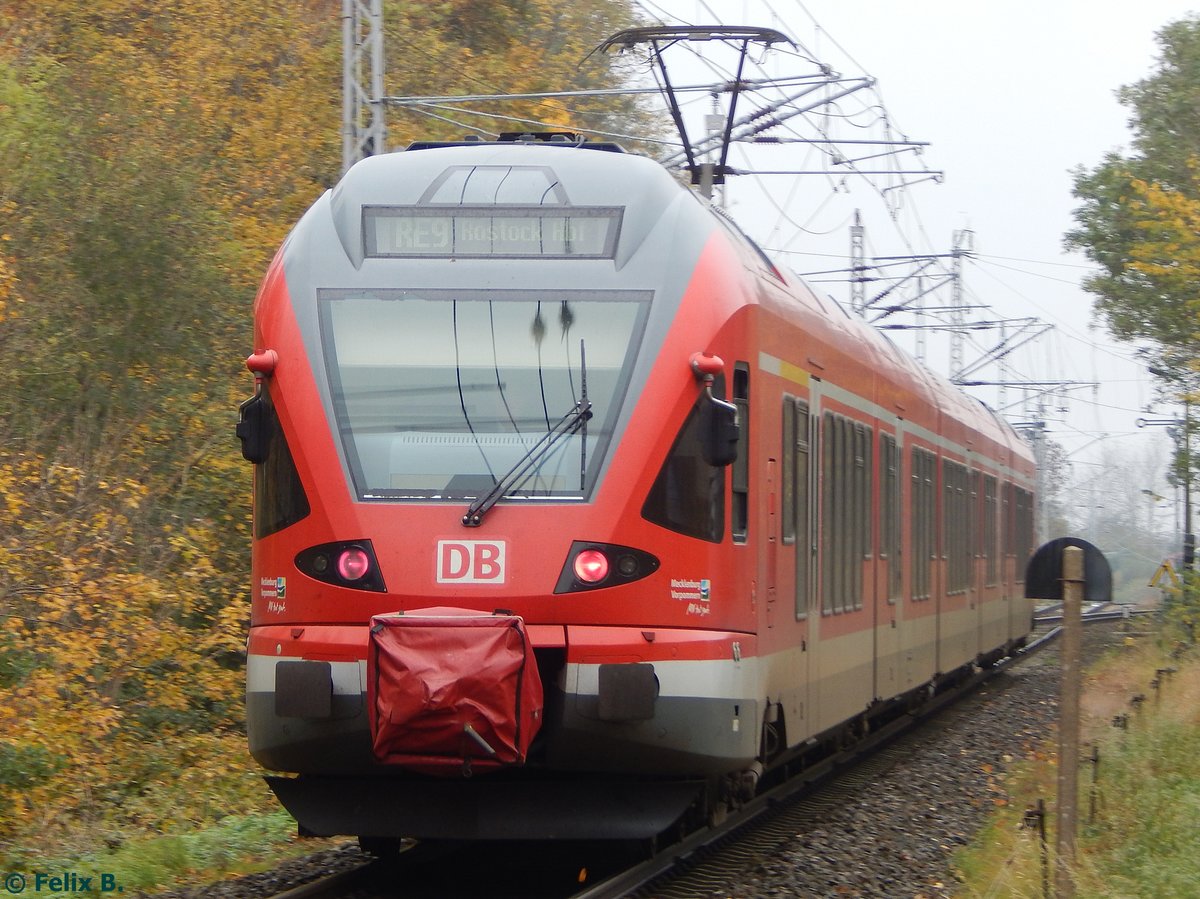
448 687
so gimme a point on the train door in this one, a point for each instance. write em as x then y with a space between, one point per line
1019 534
888 572
993 603
919 623
999 603
1007 566
841 614
977 598
958 616
772 572
796 556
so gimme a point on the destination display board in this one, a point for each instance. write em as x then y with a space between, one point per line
558 232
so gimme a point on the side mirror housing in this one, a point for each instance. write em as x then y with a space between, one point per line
721 429
721 432
253 430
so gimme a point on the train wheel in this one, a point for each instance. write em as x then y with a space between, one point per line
717 813
717 801
774 733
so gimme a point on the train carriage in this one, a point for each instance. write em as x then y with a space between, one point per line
573 513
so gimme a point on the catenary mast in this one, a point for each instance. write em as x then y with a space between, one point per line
364 132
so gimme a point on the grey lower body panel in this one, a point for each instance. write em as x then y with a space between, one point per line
687 736
339 744
624 764
485 808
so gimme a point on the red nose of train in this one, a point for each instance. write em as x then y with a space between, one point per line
450 689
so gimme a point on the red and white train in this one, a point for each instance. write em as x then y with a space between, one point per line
573 514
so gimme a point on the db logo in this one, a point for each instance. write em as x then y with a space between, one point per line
470 562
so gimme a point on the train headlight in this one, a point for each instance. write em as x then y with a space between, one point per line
590 566
353 563
347 564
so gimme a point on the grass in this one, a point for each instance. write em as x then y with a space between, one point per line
182 812
236 845
1145 843
1142 842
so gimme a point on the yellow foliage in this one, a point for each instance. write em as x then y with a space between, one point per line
250 88
155 153
108 656
490 46
1168 249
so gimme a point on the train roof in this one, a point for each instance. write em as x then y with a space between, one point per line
563 168
902 384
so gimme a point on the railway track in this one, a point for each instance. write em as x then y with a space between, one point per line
799 799
689 868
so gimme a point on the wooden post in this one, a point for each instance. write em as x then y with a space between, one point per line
1068 722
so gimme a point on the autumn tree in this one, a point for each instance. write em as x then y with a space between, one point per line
1139 221
154 155
1138 210
469 47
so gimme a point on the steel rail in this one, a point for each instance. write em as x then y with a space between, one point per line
820 775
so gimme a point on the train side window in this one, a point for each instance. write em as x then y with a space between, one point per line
914 526
973 534
929 518
830 510
803 512
889 513
1006 523
844 491
863 533
1023 524
279 498
788 478
962 539
741 465
837 512
846 537
956 526
990 512
688 496
846 540
827 512
923 521
1029 526
949 523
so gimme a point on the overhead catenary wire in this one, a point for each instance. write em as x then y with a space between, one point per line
846 140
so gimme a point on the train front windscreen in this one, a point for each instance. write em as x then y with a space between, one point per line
443 394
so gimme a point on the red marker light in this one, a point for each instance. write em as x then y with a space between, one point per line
353 563
591 566
705 366
262 363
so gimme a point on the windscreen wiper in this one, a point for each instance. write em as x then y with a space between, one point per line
573 421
